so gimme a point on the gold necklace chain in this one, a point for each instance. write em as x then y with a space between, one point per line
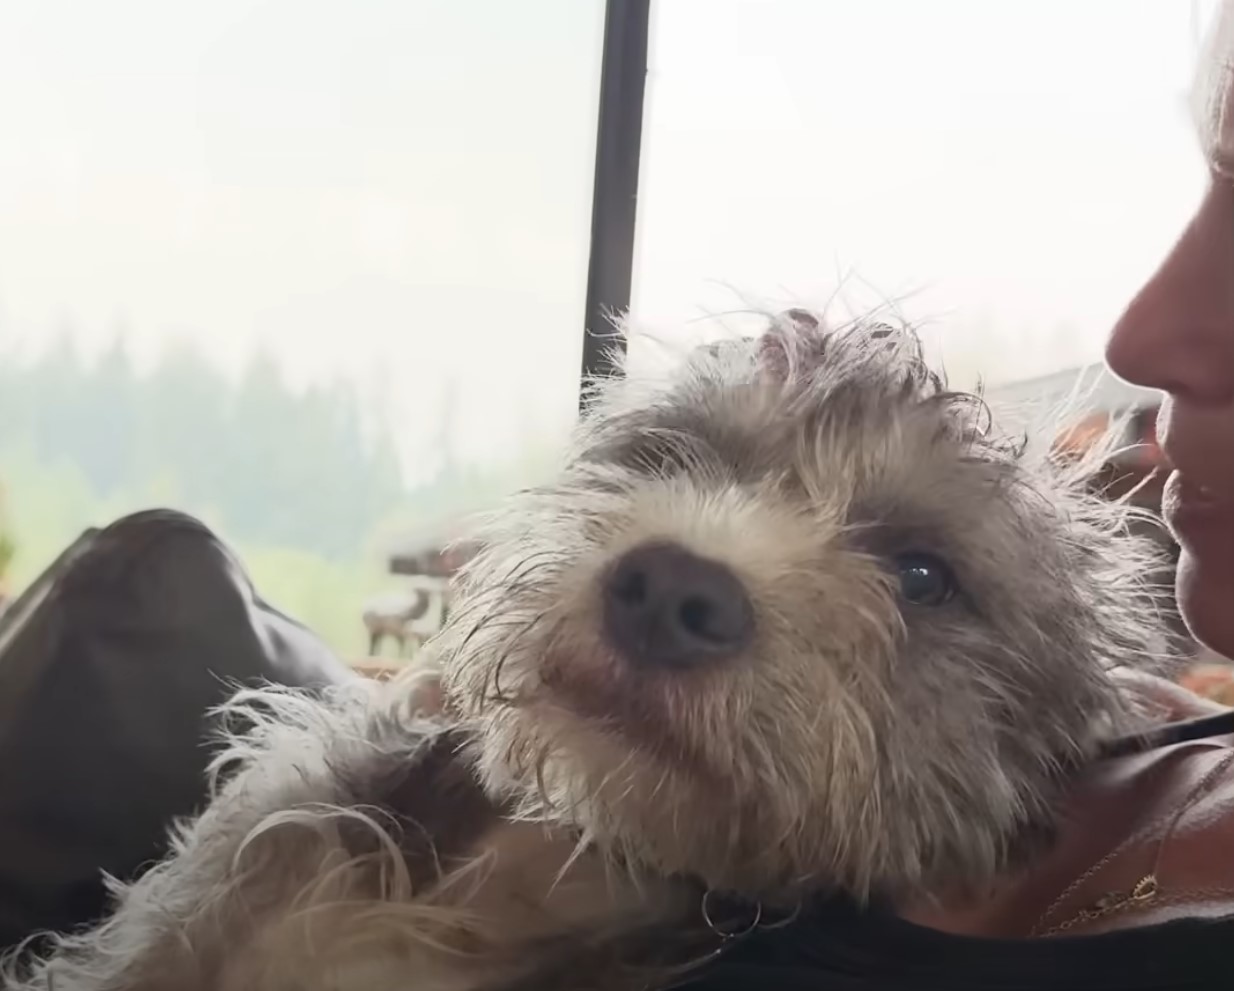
1145 891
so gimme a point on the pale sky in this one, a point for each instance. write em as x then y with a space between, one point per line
1013 167
398 190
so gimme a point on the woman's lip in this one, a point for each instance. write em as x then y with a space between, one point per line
1183 500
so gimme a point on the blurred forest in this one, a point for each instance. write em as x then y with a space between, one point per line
303 484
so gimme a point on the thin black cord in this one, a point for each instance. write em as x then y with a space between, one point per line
1220 724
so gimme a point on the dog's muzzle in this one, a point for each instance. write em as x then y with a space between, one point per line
665 607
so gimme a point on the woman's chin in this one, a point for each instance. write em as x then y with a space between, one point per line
1206 598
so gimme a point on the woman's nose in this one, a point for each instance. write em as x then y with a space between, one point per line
1177 335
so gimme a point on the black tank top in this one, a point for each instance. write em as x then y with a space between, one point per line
834 946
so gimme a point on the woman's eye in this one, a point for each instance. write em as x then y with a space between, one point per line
925 580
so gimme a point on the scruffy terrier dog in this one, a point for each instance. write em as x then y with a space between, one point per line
792 621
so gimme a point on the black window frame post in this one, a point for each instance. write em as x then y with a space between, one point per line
614 206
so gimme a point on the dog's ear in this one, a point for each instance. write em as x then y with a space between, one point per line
793 346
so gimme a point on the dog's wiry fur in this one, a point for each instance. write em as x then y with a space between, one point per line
309 869
860 742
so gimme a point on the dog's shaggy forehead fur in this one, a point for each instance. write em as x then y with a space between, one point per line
861 740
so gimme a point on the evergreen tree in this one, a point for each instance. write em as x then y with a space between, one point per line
179 427
53 388
108 421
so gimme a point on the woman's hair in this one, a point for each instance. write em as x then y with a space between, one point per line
1213 90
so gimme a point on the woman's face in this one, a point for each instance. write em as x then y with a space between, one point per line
1177 335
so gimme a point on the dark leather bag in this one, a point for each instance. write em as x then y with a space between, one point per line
109 664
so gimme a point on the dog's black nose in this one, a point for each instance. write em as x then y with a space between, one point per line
666 607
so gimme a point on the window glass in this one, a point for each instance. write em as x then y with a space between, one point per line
1002 174
313 271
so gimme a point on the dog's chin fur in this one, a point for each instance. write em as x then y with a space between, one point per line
860 743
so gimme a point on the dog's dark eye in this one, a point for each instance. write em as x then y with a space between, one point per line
925 580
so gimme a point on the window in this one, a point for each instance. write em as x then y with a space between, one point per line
313 271
316 272
1003 174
